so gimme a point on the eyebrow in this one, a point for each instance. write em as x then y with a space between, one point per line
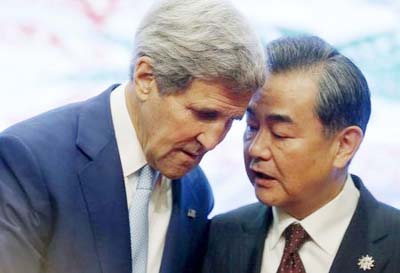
271 117
219 111
279 118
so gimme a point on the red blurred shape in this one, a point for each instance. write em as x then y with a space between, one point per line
96 16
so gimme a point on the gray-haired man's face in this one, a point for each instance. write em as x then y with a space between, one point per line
177 130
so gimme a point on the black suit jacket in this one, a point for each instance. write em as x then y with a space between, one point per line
236 240
63 205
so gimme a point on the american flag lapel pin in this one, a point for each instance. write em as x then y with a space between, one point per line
191 213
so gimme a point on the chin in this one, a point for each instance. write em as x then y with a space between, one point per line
173 176
175 173
265 197
264 201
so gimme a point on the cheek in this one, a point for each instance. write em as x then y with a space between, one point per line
247 141
299 172
275 196
246 160
246 155
179 136
291 163
245 149
187 130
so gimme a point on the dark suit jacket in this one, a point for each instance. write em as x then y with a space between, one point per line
237 238
63 205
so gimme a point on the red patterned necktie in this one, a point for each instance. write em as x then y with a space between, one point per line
295 236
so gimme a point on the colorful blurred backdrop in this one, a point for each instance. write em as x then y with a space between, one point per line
54 52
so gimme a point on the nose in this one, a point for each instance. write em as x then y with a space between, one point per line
212 134
259 146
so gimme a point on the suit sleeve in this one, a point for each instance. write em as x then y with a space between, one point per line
24 209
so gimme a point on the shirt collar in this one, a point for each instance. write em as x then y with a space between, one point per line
130 151
327 225
281 220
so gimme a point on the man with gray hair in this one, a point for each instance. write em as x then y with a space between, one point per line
303 129
112 184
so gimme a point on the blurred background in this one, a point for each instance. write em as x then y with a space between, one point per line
54 52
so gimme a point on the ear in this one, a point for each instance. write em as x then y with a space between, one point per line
349 139
144 78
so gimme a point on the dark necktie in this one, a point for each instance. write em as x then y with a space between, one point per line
295 236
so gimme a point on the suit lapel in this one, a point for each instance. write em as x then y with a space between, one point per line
102 185
247 249
180 228
364 236
258 234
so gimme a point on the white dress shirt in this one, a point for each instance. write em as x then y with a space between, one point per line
132 159
326 227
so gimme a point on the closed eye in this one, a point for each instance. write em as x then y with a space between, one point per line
280 136
207 115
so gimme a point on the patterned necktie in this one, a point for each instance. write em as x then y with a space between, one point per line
295 237
139 220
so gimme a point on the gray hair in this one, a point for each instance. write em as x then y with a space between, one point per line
200 39
344 97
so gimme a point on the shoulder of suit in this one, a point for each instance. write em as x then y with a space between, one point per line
389 214
197 179
382 212
196 183
46 123
50 124
241 214
196 173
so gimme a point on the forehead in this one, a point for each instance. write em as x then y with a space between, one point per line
289 93
214 94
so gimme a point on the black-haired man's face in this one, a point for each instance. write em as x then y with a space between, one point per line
288 158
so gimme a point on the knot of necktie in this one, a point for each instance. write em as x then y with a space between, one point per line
146 178
295 237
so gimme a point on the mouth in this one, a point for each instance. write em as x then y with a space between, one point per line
194 156
261 175
262 179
